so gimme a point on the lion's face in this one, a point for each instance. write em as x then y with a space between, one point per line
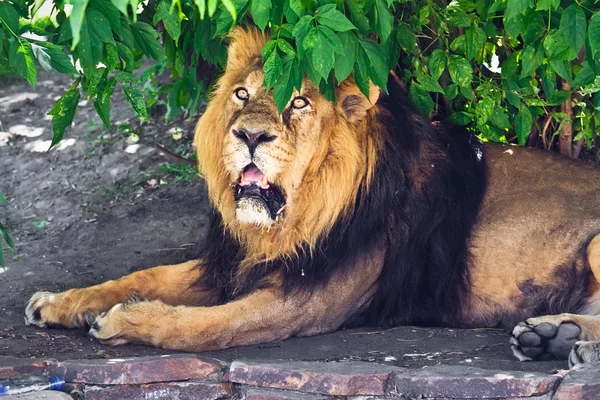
296 170
266 153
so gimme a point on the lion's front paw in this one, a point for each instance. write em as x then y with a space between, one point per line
57 310
132 322
544 338
111 327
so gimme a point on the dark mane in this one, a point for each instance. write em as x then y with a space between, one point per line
424 279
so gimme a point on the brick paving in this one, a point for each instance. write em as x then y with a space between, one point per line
188 376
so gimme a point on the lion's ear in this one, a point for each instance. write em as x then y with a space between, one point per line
245 47
353 103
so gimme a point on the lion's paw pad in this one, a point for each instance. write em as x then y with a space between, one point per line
544 341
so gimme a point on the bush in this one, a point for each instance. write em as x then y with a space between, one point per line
517 71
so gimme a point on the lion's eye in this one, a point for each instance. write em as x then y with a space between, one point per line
241 94
299 102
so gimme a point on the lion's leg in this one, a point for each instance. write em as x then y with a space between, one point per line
262 316
554 336
172 284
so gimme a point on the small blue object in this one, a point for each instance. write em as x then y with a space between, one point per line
56 383
30 383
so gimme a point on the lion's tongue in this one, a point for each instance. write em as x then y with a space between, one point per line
253 175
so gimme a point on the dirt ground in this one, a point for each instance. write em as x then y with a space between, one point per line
88 211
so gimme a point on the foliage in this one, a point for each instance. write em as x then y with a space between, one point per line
4 237
509 69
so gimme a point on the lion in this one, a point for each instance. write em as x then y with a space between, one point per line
354 212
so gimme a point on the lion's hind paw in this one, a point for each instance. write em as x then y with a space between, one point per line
584 352
542 340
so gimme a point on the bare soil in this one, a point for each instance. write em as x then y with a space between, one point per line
88 211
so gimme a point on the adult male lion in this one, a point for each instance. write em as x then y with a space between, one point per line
359 212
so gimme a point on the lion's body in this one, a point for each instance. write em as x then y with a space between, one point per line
528 246
358 212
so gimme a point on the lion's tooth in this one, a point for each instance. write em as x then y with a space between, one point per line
264 182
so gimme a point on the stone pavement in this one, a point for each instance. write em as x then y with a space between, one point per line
190 376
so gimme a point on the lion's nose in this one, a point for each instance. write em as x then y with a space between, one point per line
253 138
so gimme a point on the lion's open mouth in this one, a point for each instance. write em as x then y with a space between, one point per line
254 184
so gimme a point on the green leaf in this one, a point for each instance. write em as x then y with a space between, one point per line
500 119
558 97
333 39
594 33
384 20
421 99
558 49
121 5
301 29
585 76
514 8
40 224
169 17
573 26
201 4
76 19
329 16
63 113
548 77
20 59
562 68
378 71
297 7
126 55
437 63
110 12
527 58
272 69
544 5
146 39
261 11
9 17
406 37
112 56
50 56
361 76
283 89
7 237
95 31
231 7
3 199
267 49
285 47
102 102
523 124
460 70
475 38
296 74
344 64
461 118
212 7
428 83
484 109
322 50
459 18
451 91
511 90
134 96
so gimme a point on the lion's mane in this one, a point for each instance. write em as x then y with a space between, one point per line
419 186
